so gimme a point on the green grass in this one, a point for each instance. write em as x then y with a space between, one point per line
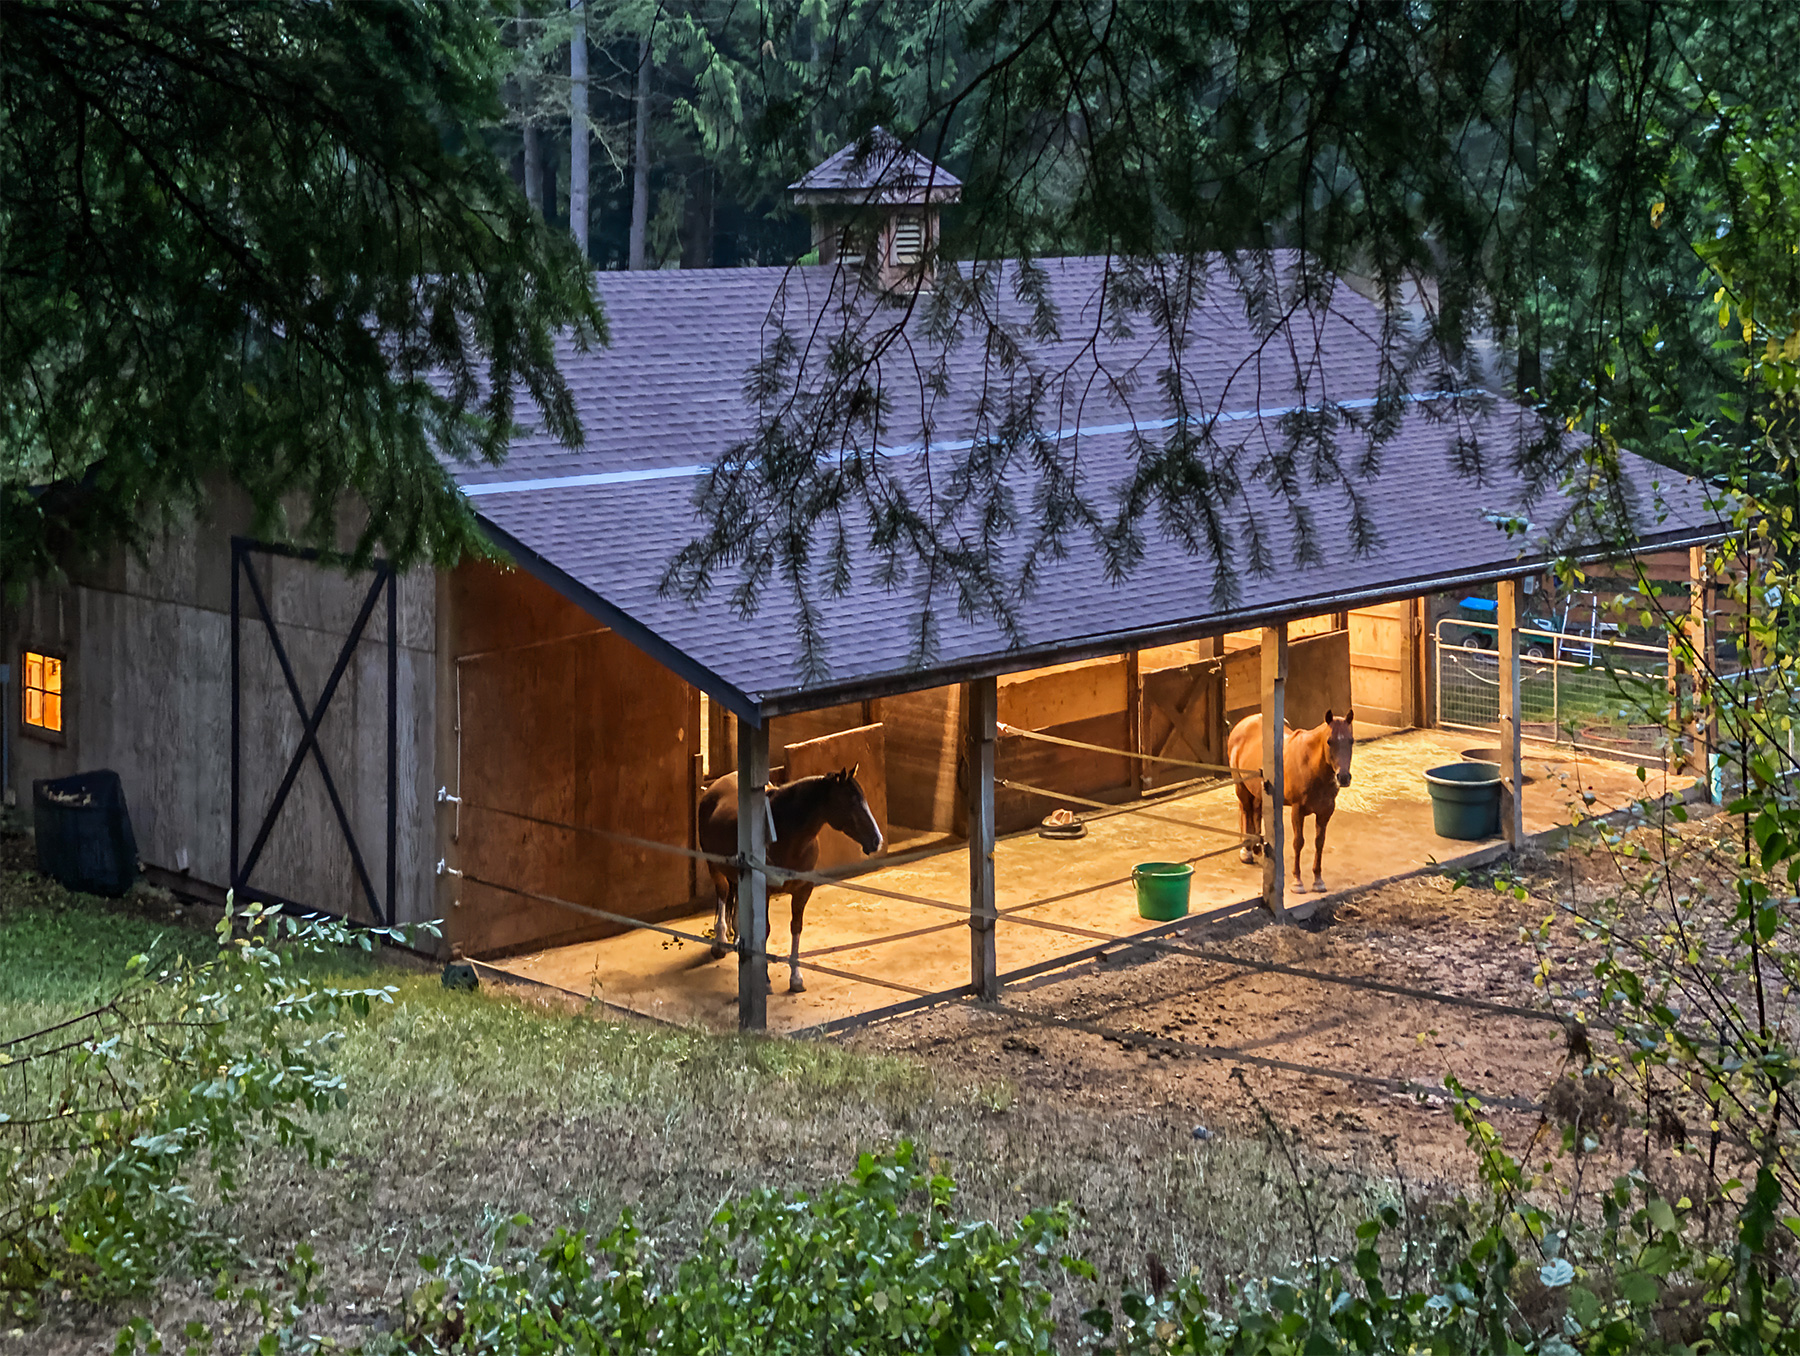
467 1107
63 953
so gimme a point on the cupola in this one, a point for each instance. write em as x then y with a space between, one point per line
875 207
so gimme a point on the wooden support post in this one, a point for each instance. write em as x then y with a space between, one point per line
1703 601
1512 799
1274 750
1134 722
448 738
1415 704
753 886
983 909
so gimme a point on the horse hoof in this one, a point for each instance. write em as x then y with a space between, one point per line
796 985
720 951
1247 857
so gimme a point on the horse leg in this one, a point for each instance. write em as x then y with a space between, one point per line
724 905
1249 824
1299 841
1323 818
802 892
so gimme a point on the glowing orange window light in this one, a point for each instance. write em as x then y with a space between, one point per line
43 691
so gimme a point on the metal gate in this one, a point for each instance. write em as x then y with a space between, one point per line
1606 694
383 584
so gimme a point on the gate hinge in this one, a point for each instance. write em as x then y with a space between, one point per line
445 869
444 796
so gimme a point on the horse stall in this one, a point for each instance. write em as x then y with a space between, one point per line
581 760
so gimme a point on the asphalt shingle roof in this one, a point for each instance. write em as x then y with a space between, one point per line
883 166
667 399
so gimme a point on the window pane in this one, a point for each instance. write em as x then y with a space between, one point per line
34 706
52 711
52 674
34 669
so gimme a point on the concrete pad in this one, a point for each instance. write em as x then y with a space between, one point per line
1382 828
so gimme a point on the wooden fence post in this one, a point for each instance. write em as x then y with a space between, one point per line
1703 601
753 886
1274 749
983 908
1512 796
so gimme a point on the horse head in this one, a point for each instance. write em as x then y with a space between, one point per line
1340 742
847 810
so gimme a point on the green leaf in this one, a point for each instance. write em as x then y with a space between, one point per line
1638 1288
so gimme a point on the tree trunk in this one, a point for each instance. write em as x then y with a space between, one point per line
578 127
552 203
697 222
534 170
640 160
534 162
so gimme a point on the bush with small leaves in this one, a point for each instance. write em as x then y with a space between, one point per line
877 1263
107 1116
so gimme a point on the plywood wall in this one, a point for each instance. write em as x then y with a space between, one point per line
827 720
1088 701
1383 656
1318 679
924 734
565 728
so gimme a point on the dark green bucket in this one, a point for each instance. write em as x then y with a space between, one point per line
1465 800
1162 889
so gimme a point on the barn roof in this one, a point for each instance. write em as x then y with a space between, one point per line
667 399
881 169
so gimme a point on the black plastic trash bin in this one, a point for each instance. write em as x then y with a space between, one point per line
84 837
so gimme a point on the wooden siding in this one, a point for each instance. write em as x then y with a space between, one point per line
1382 647
924 737
578 729
149 668
1318 678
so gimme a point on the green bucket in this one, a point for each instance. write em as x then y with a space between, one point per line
1465 800
1162 889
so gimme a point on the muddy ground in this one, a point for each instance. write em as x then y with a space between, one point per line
1460 938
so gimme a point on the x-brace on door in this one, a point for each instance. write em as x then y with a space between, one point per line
244 572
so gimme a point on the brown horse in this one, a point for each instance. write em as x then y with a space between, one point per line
800 810
1314 764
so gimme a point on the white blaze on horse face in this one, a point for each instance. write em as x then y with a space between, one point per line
862 804
1343 743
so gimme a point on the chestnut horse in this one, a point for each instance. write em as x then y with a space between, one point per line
1314 764
800 810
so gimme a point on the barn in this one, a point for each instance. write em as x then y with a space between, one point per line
518 747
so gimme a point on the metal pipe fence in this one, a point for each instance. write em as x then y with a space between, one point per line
1596 692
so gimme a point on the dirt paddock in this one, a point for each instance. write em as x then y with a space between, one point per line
1419 932
1448 933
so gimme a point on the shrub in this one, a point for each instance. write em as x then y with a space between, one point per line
877 1263
106 1116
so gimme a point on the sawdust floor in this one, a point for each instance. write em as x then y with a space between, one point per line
1382 829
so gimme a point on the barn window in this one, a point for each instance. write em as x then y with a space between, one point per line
42 692
909 240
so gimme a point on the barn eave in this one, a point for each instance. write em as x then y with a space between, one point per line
745 706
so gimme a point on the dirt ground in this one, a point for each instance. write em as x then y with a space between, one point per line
1424 932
